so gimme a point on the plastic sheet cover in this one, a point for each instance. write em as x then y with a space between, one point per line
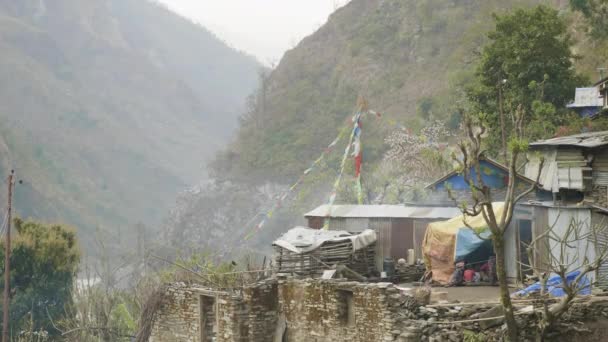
446 241
304 239
555 288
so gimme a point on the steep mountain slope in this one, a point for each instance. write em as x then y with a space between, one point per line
108 108
410 59
407 58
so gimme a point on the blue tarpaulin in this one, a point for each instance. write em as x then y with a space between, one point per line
554 286
449 241
467 243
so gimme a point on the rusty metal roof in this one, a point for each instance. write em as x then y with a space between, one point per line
384 211
587 140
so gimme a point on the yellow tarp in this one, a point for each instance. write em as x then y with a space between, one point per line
439 245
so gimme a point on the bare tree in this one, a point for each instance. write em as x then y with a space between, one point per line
482 200
412 159
97 297
579 248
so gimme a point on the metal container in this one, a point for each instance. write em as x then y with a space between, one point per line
389 267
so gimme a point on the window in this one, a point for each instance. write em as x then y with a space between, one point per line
346 309
208 318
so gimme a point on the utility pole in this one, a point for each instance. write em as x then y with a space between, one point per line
7 261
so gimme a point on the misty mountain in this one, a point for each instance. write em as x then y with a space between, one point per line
109 108
409 59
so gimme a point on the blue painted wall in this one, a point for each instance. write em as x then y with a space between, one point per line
491 175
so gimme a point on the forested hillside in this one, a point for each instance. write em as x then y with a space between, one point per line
109 108
411 60
408 58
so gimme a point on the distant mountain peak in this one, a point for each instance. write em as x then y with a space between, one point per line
110 108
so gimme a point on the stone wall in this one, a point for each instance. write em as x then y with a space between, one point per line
433 323
247 315
340 311
261 310
178 316
382 312
324 311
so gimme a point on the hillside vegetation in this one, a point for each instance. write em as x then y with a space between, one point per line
411 60
109 108
408 58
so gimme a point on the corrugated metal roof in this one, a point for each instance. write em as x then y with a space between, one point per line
548 176
389 211
589 140
562 169
587 97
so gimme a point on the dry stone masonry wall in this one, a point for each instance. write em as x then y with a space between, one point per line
178 316
192 314
339 311
324 311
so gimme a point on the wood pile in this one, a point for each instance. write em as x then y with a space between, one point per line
409 273
328 256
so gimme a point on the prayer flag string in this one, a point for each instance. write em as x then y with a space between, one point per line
306 172
355 132
334 192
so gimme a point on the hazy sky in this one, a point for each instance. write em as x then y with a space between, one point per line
264 28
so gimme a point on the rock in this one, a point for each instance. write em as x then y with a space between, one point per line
409 337
453 336
423 295
452 313
437 296
494 312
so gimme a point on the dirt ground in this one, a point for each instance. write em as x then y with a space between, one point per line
466 294
470 294
599 331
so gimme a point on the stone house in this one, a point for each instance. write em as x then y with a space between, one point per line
292 310
288 310
189 313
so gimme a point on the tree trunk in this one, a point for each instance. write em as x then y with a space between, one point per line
505 296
